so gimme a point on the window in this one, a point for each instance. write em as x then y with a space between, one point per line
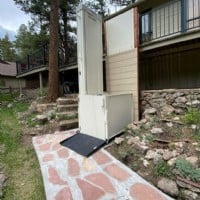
193 16
145 27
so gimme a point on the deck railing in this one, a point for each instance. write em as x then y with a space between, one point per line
169 19
39 59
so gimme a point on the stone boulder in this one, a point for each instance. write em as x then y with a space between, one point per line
169 186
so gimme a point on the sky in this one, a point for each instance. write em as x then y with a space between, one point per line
11 17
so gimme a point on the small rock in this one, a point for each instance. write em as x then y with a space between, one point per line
41 119
181 100
160 151
194 126
143 121
156 131
10 105
179 144
193 160
169 186
119 140
146 163
167 110
133 127
195 102
150 111
142 148
133 140
151 154
176 118
171 161
179 111
169 124
189 195
178 94
167 155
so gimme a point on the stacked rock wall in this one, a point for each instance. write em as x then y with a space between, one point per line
172 100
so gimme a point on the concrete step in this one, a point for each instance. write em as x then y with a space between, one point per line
66 101
63 108
71 96
68 124
66 115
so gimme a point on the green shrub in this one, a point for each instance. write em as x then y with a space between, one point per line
192 116
162 169
186 170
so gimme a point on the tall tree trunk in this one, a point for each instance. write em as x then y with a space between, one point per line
53 84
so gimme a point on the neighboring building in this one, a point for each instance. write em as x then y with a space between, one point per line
8 75
35 72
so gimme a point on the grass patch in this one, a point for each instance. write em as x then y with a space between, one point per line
21 165
162 169
8 97
192 116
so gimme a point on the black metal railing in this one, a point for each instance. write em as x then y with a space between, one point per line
40 59
169 19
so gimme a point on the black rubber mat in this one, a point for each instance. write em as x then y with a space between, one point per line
83 144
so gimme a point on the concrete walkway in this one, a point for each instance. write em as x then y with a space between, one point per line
68 175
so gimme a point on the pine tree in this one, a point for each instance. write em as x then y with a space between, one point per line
7 50
53 84
40 10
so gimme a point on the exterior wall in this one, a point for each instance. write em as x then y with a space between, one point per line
122 57
174 67
172 101
12 82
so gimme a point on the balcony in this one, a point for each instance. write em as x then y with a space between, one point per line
38 61
170 19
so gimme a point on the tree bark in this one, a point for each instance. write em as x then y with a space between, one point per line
53 84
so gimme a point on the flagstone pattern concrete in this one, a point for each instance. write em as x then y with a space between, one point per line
70 176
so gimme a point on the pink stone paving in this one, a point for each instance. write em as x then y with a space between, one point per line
56 146
102 181
101 158
54 177
89 191
117 172
142 192
48 157
44 147
73 167
64 194
68 175
63 153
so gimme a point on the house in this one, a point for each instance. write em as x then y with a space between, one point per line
153 45
8 76
35 71
149 45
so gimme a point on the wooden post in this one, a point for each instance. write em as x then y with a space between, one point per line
41 82
20 87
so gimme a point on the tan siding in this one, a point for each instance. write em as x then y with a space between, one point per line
122 75
13 82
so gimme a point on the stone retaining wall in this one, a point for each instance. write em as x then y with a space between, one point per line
170 100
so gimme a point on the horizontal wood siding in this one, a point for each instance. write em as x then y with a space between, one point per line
122 75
